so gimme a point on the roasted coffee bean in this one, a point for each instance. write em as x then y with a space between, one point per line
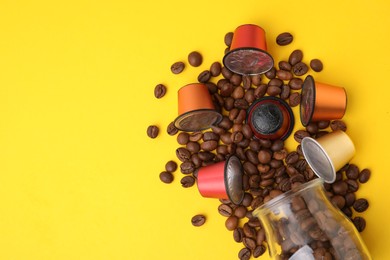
240 211
225 210
238 234
250 168
171 166
294 99
295 57
338 125
215 69
183 154
229 103
352 172
193 147
364 175
275 82
250 95
160 90
244 254
295 83
264 156
300 69
271 74
198 220
274 90
300 134
152 131
247 131
284 74
323 124
231 222
284 65
340 187
206 156
208 136
166 177
284 38
259 251
183 138
360 223
246 82
204 76
187 181
316 65
171 129
360 205
226 73
260 90
285 93
226 123
338 201
238 92
241 103
256 79
350 198
236 79
209 145
321 133
292 158
312 128
353 185
195 59
177 67
187 167
280 155
228 38
254 222
195 136
249 243
277 145
212 87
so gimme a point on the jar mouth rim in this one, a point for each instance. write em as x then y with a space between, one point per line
266 207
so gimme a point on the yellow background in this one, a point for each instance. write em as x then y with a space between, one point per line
79 176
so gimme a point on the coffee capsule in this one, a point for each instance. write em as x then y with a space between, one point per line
196 108
248 51
321 101
222 180
328 154
270 118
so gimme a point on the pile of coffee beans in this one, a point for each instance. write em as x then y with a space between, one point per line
269 168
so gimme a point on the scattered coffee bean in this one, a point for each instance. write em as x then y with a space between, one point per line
187 181
160 90
231 222
215 69
166 177
284 38
244 254
171 129
295 57
198 220
228 38
338 125
352 172
360 205
183 138
204 76
364 175
294 99
316 65
238 234
225 210
171 166
177 67
300 134
195 59
300 69
152 131
360 223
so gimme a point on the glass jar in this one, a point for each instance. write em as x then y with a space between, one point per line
302 224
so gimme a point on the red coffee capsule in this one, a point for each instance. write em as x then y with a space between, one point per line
222 180
248 51
196 108
321 101
270 118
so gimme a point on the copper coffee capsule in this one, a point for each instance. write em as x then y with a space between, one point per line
196 108
248 51
222 180
321 101
270 118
